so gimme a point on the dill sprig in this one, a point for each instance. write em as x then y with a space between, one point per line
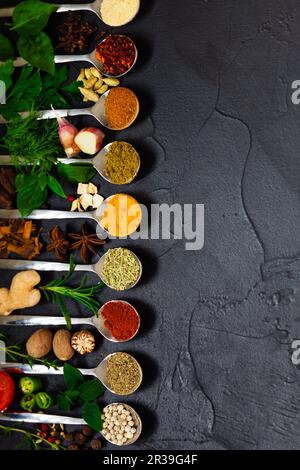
57 290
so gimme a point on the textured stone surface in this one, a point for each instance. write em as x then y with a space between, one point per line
218 127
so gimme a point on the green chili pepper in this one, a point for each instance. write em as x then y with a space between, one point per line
30 384
28 402
43 400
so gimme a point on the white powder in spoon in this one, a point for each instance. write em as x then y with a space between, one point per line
118 12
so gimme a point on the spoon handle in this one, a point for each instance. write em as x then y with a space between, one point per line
55 113
6 160
27 320
72 7
18 417
46 214
62 59
6 12
38 369
16 265
33 370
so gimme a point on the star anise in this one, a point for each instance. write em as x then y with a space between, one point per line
85 242
58 244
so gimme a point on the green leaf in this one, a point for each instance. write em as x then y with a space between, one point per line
38 51
29 195
43 181
72 89
7 50
63 403
64 311
76 173
91 390
25 91
6 71
31 16
92 416
55 186
72 376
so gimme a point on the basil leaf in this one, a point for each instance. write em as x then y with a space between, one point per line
91 390
63 403
76 173
29 195
38 51
72 376
42 180
6 71
92 416
32 16
55 186
7 50
25 91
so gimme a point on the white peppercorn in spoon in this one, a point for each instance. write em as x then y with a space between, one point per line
100 372
37 418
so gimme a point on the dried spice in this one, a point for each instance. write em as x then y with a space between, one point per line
121 106
122 163
118 12
19 237
119 424
85 242
121 216
117 54
123 374
58 244
121 269
7 188
75 34
121 319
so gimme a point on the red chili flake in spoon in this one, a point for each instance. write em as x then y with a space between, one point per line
117 54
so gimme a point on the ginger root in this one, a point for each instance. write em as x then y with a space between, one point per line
21 293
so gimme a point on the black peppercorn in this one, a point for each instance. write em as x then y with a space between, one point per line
80 438
73 447
87 431
96 444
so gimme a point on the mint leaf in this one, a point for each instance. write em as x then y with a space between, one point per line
92 416
38 51
55 186
31 16
6 71
63 403
7 50
72 376
91 390
76 173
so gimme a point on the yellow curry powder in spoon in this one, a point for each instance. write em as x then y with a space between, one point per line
122 215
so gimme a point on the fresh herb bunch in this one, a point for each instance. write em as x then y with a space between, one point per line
58 290
84 392
34 149
29 19
14 354
33 440
36 90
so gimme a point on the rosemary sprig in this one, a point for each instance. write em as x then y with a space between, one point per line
57 290
14 354
33 439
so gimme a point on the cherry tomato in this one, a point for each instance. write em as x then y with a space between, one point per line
7 390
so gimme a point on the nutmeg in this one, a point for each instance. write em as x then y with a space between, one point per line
83 342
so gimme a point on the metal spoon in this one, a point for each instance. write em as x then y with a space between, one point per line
97 111
16 265
98 162
96 321
91 58
99 371
37 418
95 7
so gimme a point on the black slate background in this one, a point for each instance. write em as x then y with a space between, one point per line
217 127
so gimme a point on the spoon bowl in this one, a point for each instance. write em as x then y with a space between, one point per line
137 423
99 109
99 323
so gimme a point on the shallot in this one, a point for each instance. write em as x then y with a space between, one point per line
67 133
89 140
